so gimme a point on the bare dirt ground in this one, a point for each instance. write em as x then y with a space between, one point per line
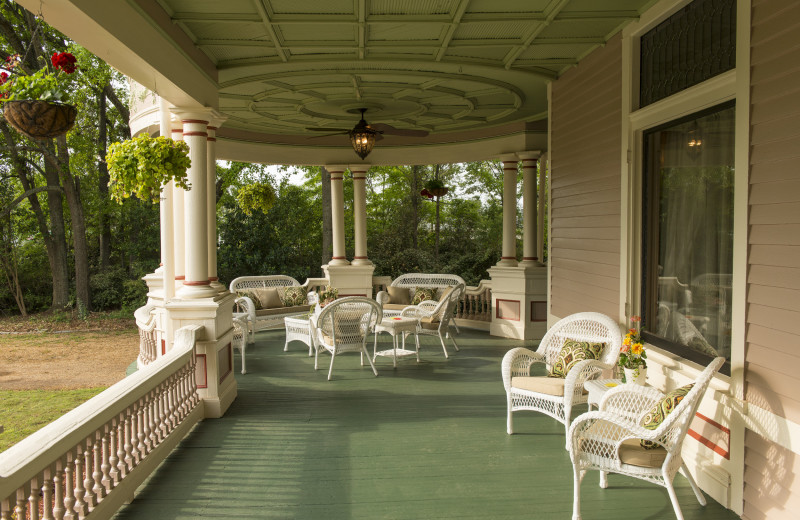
41 354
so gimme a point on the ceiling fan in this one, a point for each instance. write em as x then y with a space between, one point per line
364 135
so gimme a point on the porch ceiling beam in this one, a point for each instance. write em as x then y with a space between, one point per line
433 44
459 13
265 19
554 9
350 19
362 29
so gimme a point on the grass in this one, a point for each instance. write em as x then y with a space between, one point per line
25 411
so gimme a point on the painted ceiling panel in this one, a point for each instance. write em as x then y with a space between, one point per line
508 6
279 7
227 30
405 32
335 32
404 7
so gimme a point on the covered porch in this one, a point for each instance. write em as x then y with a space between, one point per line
408 444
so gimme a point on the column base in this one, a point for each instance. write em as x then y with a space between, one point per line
350 280
218 286
361 261
193 292
530 263
339 261
519 302
507 262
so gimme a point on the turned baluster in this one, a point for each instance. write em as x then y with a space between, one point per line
58 486
158 413
128 446
146 444
33 500
152 414
172 419
80 491
19 510
164 410
185 391
88 479
69 499
99 489
122 468
105 465
139 438
47 495
195 397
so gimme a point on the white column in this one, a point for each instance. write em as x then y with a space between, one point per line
529 221
337 213
195 134
509 251
359 172
177 222
211 210
166 212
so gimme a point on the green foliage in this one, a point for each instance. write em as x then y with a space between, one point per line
42 85
107 288
434 184
142 165
252 197
134 295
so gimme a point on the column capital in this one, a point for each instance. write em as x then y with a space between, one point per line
529 156
336 168
360 168
197 114
509 157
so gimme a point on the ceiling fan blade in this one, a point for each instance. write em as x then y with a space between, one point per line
390 130
337 130
325 135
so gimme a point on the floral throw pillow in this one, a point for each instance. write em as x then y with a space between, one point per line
573 352
253 297
421 294
656 415
294 296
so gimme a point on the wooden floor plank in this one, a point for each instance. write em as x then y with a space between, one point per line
421 441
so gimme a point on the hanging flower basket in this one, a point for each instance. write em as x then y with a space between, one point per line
39 119
439 192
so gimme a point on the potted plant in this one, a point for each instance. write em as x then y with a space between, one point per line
632 355
434 188
36 104
142 165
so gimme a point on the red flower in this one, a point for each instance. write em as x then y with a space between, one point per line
3 77
63 61
425 193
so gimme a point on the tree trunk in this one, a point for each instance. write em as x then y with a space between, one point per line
327 218
58 262
71 187
102 184
10 265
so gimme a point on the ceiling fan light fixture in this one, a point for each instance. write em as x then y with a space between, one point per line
362 137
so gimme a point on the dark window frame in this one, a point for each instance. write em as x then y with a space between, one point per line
649 251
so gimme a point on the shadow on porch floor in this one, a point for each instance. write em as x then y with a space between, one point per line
420 442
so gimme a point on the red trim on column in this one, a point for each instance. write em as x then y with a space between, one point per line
184 121
530 257
338 258
163 347
181 277
212 139
359 178
206 282
202 134
508 258
213 279
174 131
336 178
212 127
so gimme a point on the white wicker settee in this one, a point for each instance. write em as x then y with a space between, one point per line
260 316
408 284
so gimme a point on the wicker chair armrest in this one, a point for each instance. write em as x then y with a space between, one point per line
382 297
630 400
245 304
580 373
422 310
518 362
607 428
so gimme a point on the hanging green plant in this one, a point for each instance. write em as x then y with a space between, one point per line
253 197
142 165
434 188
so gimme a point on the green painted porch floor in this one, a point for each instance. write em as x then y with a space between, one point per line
420 442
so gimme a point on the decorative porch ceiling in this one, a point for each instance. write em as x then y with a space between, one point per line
277 67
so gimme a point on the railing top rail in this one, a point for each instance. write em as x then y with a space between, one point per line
34 453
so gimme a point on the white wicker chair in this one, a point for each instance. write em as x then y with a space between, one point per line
239 340
434 318
596 438
343 326
517 363
411 281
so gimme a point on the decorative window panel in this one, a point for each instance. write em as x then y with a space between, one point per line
695 44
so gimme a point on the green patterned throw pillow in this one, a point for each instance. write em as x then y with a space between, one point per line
422 294
572 353
253 297
660 411
294 296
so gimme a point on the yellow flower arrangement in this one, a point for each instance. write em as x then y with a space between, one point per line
632 354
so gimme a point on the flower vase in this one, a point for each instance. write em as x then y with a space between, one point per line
632 376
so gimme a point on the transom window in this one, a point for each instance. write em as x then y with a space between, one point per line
688 234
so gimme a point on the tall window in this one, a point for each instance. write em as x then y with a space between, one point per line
688 234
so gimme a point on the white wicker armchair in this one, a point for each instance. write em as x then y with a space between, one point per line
434 317
411 281
343 326
608 440
554 396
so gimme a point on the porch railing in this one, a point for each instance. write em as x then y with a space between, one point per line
316 284
476 304
90 461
